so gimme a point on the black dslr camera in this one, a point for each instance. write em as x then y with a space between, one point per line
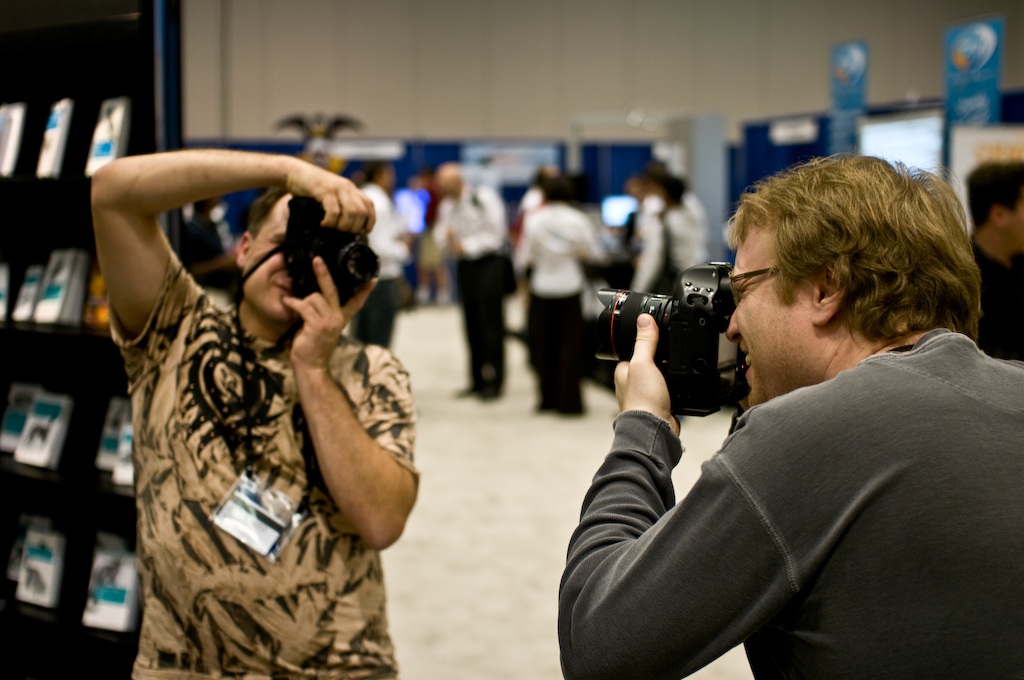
350 260
703 369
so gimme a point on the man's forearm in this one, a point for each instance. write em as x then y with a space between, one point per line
655 592
630 492
372 489
151 184
130 192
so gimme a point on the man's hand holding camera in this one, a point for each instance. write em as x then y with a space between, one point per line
345 206
639 385
323 319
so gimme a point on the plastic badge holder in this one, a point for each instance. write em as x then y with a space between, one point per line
260 517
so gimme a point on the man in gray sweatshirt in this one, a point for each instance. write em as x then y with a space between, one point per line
865 518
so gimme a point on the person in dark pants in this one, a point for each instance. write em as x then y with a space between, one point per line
203 252
390 239
471 223
997 209
556 343
556 239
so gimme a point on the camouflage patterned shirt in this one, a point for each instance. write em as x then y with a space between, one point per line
212 607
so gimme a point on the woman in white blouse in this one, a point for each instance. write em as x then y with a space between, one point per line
556 239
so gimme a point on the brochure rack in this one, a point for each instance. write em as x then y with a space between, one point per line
133 55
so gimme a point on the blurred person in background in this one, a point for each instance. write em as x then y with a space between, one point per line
390 239
432 267
531 200
673 240
626 243
556 239
471 224
208 249
997 209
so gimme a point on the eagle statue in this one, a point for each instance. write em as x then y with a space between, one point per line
319 130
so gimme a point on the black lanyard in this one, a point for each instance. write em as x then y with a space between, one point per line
248 357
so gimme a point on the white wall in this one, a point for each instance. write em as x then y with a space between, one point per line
486 68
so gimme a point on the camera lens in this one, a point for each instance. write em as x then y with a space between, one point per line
616 324
360 262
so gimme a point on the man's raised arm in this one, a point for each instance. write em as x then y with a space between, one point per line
129 193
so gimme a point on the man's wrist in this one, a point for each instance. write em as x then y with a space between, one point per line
646 432
312 374
290 178
668 419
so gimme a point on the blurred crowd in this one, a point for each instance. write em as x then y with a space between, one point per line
460 243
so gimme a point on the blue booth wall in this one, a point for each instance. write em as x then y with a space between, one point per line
606 167
758 157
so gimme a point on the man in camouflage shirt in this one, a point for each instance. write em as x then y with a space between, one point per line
317 416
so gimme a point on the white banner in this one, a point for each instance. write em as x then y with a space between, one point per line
498 164
368 149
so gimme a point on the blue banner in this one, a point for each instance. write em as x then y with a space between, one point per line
849 76
974 56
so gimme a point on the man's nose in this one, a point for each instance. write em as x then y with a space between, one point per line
733 331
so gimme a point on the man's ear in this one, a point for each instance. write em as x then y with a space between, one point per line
997 215
242 252
828 299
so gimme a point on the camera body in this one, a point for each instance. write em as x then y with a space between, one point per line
703 369
350 260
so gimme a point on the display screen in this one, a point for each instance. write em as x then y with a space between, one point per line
912 138
615 210
412 205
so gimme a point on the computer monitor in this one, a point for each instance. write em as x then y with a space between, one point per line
615 209
412 205
914 138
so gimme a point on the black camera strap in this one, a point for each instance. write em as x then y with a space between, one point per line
248 355
288 334
252 270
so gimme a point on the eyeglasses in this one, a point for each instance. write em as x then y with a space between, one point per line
736 278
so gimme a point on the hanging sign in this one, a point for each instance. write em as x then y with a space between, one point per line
849 76
974 55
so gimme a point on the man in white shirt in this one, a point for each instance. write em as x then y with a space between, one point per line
673 239
471 223
390 240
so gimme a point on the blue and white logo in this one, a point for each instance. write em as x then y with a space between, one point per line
849 63
973 47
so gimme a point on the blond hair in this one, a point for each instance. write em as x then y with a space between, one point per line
893 239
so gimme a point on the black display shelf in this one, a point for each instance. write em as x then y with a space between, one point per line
54 617
64 359
54 644
41 215
134 54
94 481
29 327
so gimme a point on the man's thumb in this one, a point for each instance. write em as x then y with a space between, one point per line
646 336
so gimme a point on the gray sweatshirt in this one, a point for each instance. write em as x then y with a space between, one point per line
871 526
